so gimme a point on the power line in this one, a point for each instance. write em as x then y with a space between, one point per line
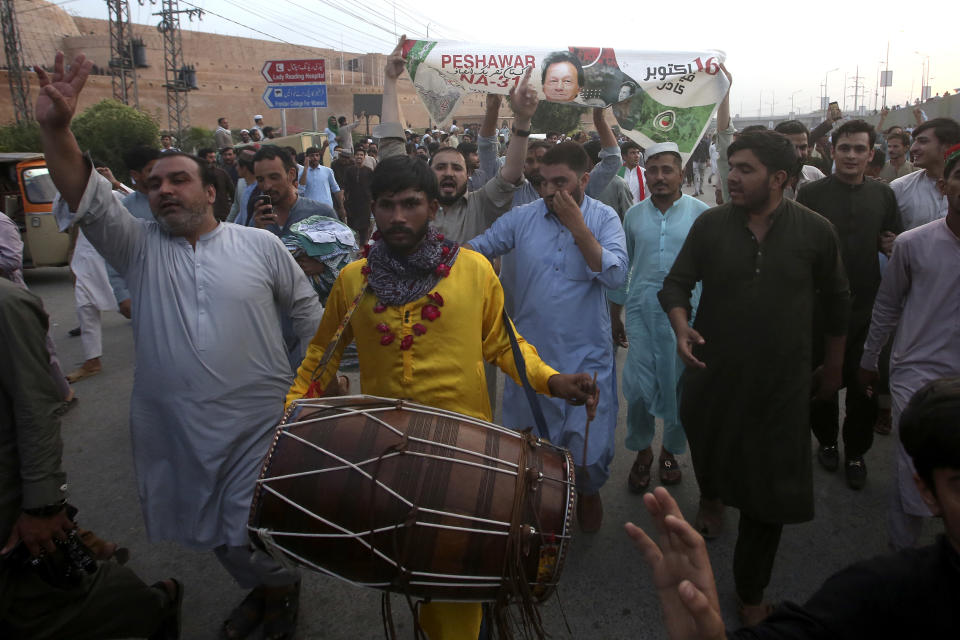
311 36
46 6
329 19
403 28
254 29
421 18
358 17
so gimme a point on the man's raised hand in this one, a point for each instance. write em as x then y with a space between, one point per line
395 61
57 101
681 571
523 98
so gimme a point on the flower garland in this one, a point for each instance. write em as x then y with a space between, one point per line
429 312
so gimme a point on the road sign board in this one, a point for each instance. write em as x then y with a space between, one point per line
294 71
295 96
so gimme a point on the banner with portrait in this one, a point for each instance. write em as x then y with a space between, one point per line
656 95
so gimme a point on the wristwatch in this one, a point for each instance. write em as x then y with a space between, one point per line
523 133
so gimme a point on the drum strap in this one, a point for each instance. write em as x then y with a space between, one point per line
541 424
314 390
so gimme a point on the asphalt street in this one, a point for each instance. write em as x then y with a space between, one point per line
605 591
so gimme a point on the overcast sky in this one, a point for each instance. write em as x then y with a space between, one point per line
773 53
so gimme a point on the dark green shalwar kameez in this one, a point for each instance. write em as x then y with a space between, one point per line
747 413
110 603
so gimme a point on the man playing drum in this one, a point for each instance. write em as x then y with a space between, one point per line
431 315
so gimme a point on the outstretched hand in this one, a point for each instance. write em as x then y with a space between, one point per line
523 98
57 101
681 571
396 63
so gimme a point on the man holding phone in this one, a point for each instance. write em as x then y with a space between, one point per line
279 205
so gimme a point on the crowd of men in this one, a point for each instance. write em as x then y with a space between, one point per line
741 322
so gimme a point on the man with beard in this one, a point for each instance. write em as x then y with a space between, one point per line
413 271
864 213
228 162
568 251
798 135
276 174
897 164
202 411
763 262
463 215
222 183
655 230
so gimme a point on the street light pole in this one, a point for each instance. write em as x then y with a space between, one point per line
886 72
826 96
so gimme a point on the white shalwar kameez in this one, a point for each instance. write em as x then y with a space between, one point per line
92 293
918 300
211 367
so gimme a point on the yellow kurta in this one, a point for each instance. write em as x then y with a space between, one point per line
443 368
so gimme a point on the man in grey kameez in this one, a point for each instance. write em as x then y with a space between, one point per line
202 411
917 302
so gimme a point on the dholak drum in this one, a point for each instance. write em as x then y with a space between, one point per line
407 498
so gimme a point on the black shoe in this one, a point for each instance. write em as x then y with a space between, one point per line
829 457
73 333
856 470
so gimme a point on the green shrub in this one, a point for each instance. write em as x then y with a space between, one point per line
20 137
109 128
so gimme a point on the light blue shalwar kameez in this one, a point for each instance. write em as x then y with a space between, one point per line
561 308
652 371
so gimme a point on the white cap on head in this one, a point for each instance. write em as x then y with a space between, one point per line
258 117
661 147
244 131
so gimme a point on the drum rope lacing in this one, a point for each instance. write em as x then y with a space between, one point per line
517 587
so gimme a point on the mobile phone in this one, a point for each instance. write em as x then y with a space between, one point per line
835 113
263 199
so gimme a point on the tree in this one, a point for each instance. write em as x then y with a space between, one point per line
555 116
109 128
197 138
24 136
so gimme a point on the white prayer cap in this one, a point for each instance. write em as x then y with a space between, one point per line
661 147
258 117
244 131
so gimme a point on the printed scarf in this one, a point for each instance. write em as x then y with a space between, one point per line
398 280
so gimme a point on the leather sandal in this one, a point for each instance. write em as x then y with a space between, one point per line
753 614
709 520
669 469
245 617
172 622
281 609
639 478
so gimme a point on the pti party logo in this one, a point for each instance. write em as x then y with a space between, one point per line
665 120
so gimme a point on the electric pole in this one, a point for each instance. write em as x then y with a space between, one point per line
17 75
123 62
179 78
857 94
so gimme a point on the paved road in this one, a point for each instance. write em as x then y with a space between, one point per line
605 590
